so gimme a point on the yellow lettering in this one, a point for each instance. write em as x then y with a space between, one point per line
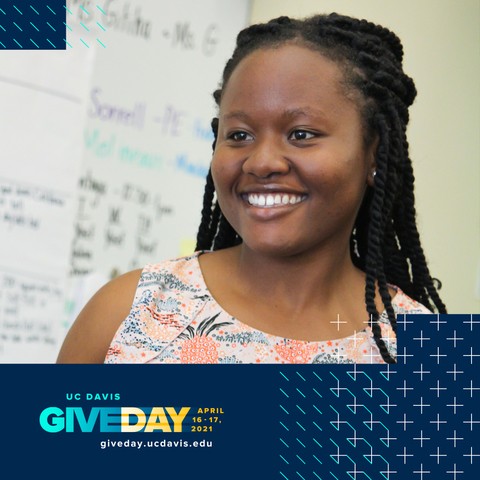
158 421
141 419
177 417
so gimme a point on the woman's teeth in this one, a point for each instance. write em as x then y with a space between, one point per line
273 200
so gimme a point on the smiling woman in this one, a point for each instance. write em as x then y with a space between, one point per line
272 145
308 247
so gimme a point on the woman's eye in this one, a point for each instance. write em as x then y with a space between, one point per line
239 136
301 135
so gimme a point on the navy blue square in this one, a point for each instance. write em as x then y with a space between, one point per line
32 25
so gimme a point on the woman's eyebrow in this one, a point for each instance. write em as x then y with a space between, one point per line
303 112
236 115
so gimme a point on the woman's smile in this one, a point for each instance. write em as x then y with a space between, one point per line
272 200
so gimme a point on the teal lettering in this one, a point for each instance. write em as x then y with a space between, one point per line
51 420
85 424
110 420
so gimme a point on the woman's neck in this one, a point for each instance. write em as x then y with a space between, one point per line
301 297
299 280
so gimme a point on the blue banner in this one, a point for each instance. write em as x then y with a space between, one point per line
414 420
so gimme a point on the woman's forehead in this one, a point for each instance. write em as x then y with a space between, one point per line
298 79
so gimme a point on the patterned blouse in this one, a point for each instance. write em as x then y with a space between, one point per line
175 319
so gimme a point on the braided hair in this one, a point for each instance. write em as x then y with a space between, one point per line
385 242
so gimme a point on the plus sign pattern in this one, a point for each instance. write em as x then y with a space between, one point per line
414 420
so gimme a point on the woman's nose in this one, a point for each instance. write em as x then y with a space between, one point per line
266 158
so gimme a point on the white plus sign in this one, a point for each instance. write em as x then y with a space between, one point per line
421 371
438 355
455 438
369 423
355 438
404 355
471 322
471 388
437 322
369 390
404 422
455 405
454 471
369 456
369 322
389 335
371 355
357 338
405 455
388 472
438 455
337 422
421 405
438 388
455 371
355 471
455 338
471 355
354 405
404 389
402 320
471 455
438 422
337 388
337 454
388 372
337 322
338 356
421 338
421 471
387 438
471 422
353 373
387 405
421 438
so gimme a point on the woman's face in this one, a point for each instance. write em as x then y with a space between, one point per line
290 165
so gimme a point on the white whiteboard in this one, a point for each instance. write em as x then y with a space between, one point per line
105 147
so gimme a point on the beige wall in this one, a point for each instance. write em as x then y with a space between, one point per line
442 53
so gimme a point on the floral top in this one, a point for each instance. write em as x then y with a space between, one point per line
175 319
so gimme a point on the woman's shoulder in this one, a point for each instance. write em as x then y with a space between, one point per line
89 337
175 266
92 332
403 304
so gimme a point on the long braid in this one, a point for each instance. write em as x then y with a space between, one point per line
210 211
385 242
204 236
374 259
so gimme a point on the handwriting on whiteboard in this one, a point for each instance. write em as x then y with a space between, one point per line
137 21
171 120
27 307
116 218
130 116
21 205
113 14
